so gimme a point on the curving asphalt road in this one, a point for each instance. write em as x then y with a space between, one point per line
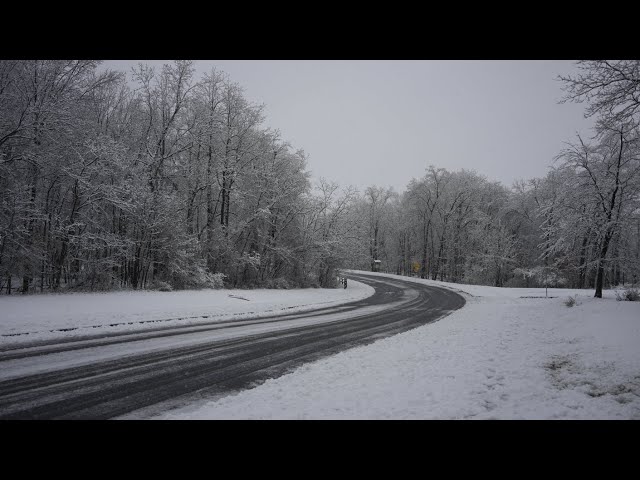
107 376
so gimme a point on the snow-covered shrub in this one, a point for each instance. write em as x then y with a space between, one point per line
570 301
216 280
281 283
517 282
630 295
308 281
161 286
197 278
539 277
523 277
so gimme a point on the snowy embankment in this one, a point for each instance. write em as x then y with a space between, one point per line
49 316
499 357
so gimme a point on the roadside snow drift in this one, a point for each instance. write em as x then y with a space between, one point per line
38 317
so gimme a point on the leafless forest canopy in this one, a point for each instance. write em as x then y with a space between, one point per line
159 179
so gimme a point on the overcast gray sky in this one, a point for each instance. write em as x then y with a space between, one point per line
383 122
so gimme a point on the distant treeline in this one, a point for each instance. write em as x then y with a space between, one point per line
577 227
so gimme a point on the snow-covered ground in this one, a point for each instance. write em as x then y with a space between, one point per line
40 317
499 357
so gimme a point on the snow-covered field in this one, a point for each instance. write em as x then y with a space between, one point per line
499 357
40 317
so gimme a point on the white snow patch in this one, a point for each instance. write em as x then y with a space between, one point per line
50 316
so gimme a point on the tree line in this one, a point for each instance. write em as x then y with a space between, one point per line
157 180
163 180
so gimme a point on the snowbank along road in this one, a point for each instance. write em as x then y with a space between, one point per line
108 376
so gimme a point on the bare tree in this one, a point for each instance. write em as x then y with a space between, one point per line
610 87
607 176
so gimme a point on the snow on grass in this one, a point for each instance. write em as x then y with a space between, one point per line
38 317
499 357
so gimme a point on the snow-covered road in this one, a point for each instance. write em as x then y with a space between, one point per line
28 360
113 374
500 357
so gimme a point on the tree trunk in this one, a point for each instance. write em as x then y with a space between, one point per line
600 276
425 243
